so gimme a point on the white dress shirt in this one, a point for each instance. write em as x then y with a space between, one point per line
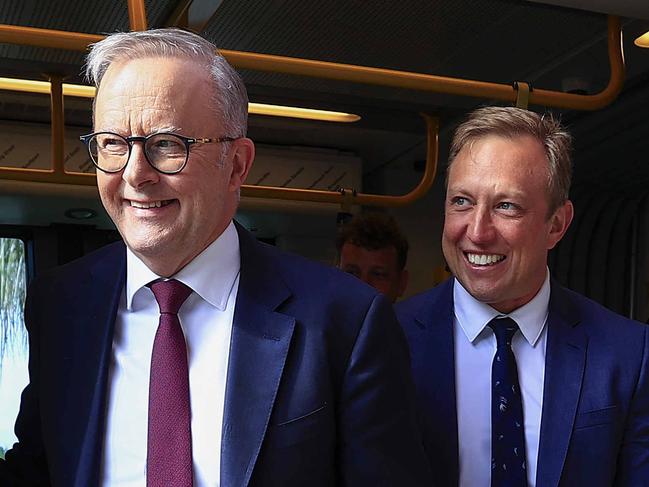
475 347
206 319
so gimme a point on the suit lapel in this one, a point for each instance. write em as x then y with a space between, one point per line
260 342
90 315
564 370
436 363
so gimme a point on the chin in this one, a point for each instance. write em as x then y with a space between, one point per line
146 244
483 293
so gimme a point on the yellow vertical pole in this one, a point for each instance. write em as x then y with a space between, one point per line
58 124
137 14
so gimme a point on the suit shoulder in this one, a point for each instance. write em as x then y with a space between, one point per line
77 267
307 276
309 282
601 320
431 298
324 300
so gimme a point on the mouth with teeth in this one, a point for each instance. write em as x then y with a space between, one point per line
484 259
150 204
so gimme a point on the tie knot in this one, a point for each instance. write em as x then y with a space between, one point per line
170 295
504 329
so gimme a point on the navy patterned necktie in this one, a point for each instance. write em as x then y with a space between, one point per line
508 467
169 442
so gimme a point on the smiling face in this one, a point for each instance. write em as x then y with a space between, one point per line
167 220
497 231
378 268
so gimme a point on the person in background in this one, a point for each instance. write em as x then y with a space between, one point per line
372 248
191 354
521 381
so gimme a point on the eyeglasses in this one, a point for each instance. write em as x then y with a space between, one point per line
165 152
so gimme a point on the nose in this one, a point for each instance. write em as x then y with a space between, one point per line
366 278
481 227
138 172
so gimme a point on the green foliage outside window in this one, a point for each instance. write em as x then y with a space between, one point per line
12 295
13 337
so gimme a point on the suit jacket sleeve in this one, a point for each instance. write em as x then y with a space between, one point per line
380 443
25 463
633 461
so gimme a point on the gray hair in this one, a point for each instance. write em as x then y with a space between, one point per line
511 122
230 98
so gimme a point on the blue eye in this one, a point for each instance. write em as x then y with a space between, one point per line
112 144
459 201
506 205
168 145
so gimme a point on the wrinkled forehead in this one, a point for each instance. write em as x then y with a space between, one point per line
157 75
153 87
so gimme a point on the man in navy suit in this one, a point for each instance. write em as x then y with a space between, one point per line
575 407
291 374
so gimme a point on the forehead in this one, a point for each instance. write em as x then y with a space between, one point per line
154 91
518 161
362 257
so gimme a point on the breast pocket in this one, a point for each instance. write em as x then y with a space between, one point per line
302 428
596 417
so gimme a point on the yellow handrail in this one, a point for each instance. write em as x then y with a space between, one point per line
442 84
137 14
305 67
432 154
58 124
58 175
362 74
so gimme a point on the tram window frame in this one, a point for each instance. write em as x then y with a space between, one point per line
27 238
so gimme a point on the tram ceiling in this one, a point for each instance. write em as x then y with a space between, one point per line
626 8
498 41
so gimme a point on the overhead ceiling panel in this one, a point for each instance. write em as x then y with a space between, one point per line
494 40
638 9
86 16
491 40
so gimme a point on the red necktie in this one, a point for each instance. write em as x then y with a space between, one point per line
169 443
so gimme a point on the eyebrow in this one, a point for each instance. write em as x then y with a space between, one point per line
513 193
156 130
107 129
167 128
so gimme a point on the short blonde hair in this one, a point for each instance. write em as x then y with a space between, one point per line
511 122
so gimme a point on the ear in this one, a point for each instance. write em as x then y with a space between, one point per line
403 282
559 223
243 155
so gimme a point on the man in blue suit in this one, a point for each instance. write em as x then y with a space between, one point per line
519 380
194 355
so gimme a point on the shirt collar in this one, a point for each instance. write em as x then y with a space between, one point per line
473 316
211 274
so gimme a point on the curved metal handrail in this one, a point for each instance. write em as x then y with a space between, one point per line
326 70
442 84
341 197
367 75
58 175
137 14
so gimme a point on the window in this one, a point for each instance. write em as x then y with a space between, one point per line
13 337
